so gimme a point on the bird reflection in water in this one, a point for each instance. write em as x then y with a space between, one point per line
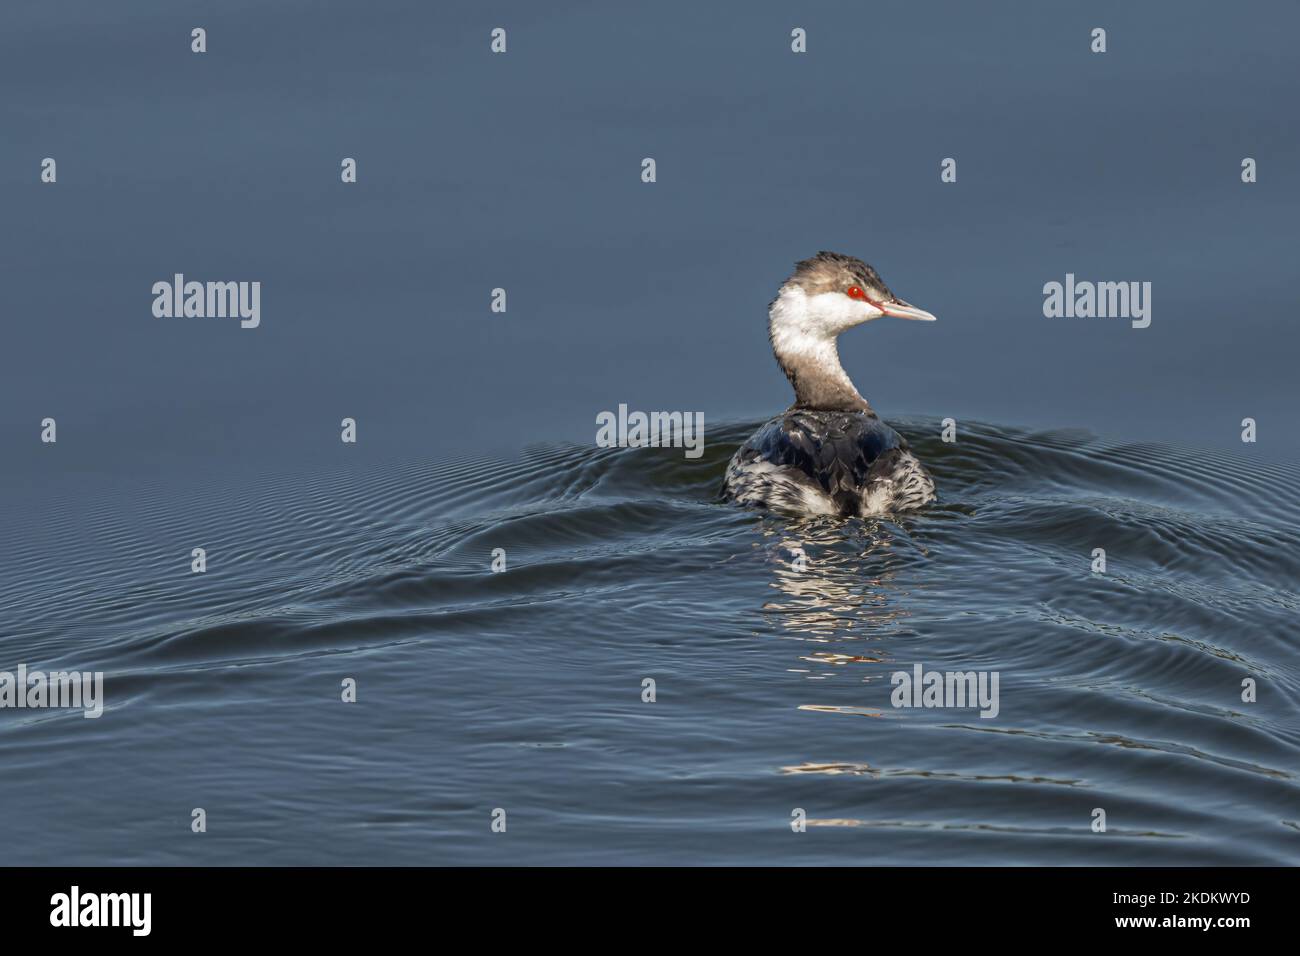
836 579
837 583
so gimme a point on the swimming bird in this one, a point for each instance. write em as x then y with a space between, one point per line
829 453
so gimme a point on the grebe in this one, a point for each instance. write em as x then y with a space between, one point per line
829 454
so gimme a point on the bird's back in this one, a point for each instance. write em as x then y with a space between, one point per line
828 462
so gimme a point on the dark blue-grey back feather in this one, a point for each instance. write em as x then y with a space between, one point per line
842 452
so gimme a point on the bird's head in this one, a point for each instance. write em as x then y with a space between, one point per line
831 293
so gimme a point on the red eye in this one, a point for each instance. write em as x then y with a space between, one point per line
855 293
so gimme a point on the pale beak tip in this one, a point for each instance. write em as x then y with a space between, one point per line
905 310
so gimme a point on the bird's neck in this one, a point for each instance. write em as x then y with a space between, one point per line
808 355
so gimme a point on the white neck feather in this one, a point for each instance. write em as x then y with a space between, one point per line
803 331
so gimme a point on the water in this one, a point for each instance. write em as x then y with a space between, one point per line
522 690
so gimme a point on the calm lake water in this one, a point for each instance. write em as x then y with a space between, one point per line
522 689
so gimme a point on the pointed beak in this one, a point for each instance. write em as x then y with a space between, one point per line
904 310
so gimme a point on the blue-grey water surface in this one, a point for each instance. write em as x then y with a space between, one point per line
522 690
